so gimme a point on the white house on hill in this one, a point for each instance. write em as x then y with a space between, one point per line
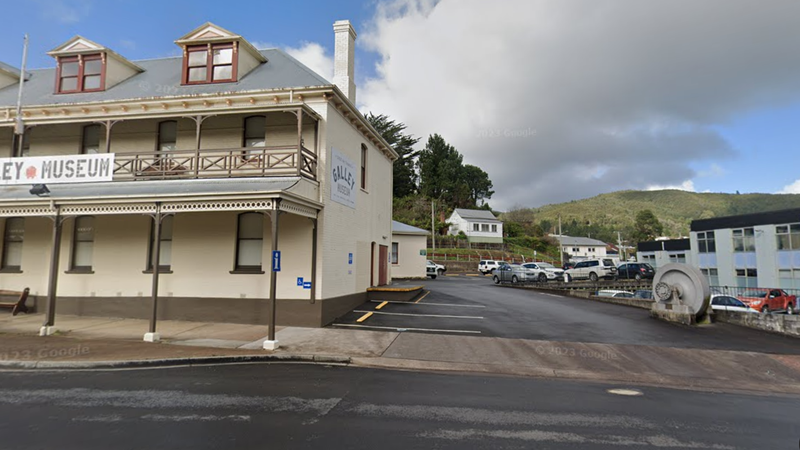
479 225
580 248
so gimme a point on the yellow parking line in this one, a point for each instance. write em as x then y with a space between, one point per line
381 305
452 275
423 296
474 275
364 317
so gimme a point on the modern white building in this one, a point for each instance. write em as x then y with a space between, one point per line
581 248
409 251
761 249
175 181
665 251
479 225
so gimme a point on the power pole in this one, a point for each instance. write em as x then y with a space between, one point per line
433 226
560 246
619 243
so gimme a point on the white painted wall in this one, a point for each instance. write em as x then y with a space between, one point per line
410 263
344 230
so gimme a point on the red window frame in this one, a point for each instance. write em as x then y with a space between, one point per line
209 65
81 75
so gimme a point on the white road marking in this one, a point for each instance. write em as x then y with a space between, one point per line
430 304
195 418
404 328
419 315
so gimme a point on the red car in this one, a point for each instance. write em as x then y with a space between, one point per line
769 300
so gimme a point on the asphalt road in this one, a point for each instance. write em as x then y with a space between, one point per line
315 407
475 306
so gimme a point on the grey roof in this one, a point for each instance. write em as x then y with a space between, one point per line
479 214
580 241
148 189
402 228
162 78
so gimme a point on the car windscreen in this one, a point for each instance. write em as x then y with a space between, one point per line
755 294
546 266
608 263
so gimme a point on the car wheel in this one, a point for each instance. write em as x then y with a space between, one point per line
514 279
790 309
765 310
542 278
593 277
496 280
638 277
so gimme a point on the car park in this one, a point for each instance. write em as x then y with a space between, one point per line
488 266
514 273
769 300
635 271
545 271
614 293
593 270
721 302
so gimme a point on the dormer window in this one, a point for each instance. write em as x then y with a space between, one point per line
210 63
81 73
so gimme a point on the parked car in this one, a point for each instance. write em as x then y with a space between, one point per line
643 293
433 270
545 271
635 271
593 269
728 303
488 266
769 300
613 293
567 266
514 273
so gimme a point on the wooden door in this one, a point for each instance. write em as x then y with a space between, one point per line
383 265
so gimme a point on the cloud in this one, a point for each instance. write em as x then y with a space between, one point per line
621 95
687 185
793 188
64 12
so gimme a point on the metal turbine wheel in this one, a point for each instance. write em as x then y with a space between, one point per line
682 284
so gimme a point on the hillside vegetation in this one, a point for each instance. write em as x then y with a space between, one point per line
616 211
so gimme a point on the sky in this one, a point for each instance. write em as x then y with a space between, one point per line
556 100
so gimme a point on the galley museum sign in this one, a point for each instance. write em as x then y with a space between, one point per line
57 169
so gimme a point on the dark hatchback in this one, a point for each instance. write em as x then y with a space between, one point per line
635 271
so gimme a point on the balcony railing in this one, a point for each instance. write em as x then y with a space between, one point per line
218 163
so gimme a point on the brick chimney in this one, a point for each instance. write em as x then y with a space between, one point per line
344 58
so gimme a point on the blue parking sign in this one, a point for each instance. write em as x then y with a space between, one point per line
299 281
307 285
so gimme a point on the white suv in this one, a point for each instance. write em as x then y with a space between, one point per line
592 269
488 266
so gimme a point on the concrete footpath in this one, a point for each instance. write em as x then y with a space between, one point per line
95 343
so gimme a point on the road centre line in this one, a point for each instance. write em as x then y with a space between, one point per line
430 304
352 325
419 315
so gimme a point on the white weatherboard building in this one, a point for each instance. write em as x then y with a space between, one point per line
659 253
581 248
409 251
219 159
752 250
479 225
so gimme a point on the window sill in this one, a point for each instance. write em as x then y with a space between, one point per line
80 271
10 270
247 272
160 271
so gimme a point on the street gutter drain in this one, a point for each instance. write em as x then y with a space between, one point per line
626 392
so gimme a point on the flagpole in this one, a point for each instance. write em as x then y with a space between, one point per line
19 125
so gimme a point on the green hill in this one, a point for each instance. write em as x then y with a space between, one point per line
604 215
